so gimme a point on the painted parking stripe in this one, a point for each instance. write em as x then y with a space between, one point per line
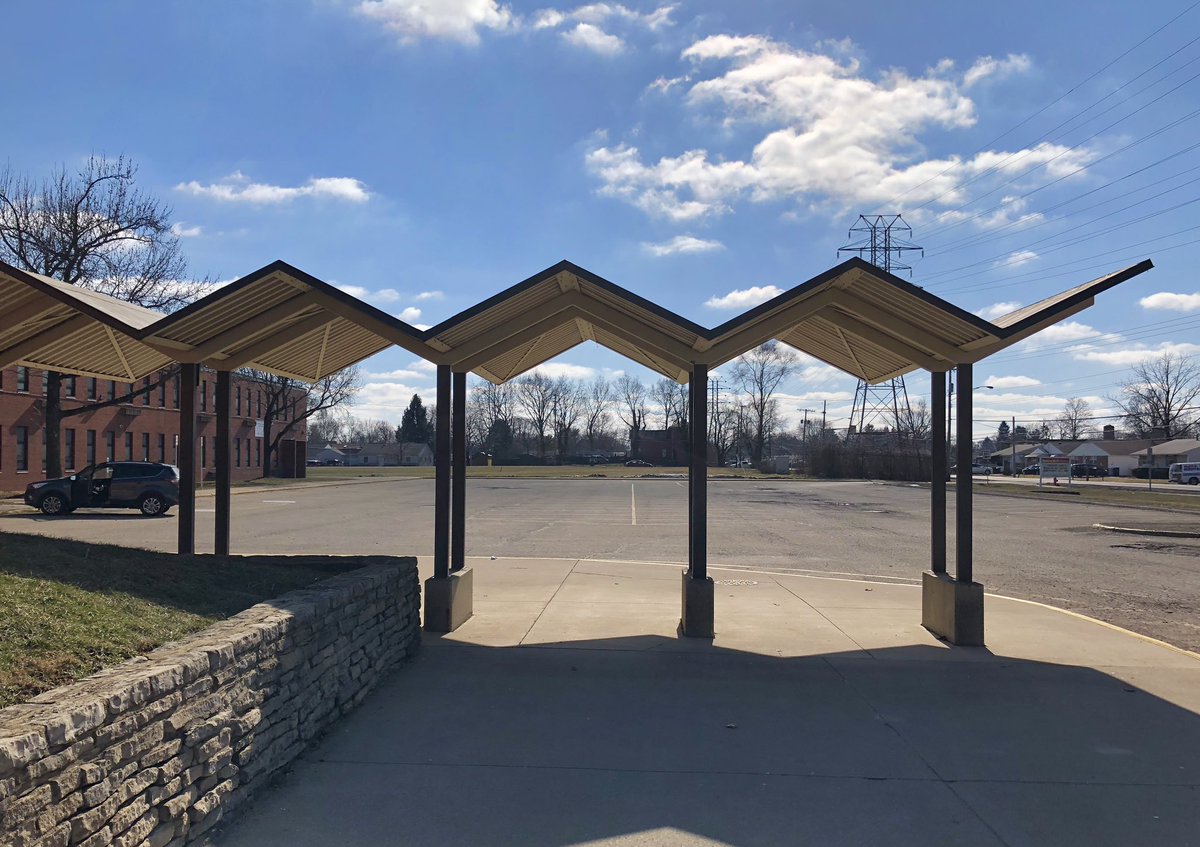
279 501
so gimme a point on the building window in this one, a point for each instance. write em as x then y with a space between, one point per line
45 452
128 446
258 452
22 378
203 453
70 386
162 447
45 383
175 449
69 435
112 389
162 395
91 388
110 445
237 452
258 406
91 445
145 446
22 433
204 395
238 402
146 389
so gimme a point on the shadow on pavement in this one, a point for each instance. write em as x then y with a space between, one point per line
612 742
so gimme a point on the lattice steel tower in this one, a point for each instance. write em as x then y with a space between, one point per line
880 238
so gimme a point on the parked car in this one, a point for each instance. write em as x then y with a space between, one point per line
1087 471
976 470
638 463
313 463
151 487
1031 470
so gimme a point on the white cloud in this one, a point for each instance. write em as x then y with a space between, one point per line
744 298
591 37
996 68
423 365
682 244
355 291
454 20
399 374
826 132
1011 381
1133 355
410 315
996 310
429 295
181 231
237 187
1064 332
1017 258
558 369
1172 302
387 400
598 13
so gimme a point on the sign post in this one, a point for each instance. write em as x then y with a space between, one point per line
1054 467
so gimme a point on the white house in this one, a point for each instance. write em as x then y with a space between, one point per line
1170 452
1117 455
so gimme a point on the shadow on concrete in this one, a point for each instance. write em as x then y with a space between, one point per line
624 742
38 517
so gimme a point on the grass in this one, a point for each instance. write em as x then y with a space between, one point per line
521 472
68 609
1101 496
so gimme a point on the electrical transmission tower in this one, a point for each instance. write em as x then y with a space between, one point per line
882 240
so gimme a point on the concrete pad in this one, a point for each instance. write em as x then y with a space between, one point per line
655 625
769 620
884 629
519 580
494 624
618 589
826 593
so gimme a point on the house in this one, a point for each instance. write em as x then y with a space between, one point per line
327 455
409 454
1024 453
1170 452
1116 455
413 454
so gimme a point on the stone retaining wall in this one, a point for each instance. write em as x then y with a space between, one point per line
154 751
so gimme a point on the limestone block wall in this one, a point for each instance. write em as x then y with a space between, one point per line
156 750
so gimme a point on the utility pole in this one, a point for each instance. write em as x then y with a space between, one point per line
804 429
881 237
1012 440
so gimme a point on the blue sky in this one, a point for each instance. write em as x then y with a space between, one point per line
427 154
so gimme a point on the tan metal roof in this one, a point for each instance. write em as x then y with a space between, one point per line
48 324
856 317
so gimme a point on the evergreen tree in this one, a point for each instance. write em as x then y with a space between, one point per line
415 426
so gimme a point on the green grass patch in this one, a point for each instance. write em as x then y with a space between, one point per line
334 474
1099 496
68 609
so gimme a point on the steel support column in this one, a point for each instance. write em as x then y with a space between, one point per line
697 619
698 474
937 488
963 562
189 375
224 456
441 489
458 457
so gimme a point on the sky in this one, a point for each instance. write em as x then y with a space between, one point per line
425 154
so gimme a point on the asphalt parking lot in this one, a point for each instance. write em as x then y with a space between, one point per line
1043 550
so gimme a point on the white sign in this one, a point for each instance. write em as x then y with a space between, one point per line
1055 467
258 429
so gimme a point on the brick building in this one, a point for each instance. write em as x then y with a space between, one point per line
146 429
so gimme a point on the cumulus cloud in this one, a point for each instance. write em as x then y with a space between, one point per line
1011 381
1133 355
386 400
1172 302
591 37
399 374
382 295
238 188
682 244
453 20
554 370
181 231
827 132
986 67
410 315
997 310
1017 258
429 295
598 13
744 298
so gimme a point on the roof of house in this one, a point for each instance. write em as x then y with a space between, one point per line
1117 447
1172 448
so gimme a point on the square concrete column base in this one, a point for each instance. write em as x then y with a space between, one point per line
697 620
951 609
448 601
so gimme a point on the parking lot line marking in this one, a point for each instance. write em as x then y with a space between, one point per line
632 505
279 501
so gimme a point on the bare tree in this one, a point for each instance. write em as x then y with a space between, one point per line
283 396
758 373
671 398
1071 424
328 426
94 229
1159 398
913 421
566 405
535 395
631 408
596 400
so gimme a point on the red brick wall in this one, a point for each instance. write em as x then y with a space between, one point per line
159 417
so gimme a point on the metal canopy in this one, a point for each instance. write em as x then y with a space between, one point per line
856 317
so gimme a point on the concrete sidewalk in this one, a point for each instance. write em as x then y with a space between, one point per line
567 712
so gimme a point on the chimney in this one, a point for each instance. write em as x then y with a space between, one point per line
1110 432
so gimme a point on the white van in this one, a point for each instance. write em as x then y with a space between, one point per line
1188 472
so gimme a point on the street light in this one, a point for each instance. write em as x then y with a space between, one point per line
950 404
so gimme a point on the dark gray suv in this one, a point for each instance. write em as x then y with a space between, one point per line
151 487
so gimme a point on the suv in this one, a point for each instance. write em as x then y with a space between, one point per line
151 487
1087 471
